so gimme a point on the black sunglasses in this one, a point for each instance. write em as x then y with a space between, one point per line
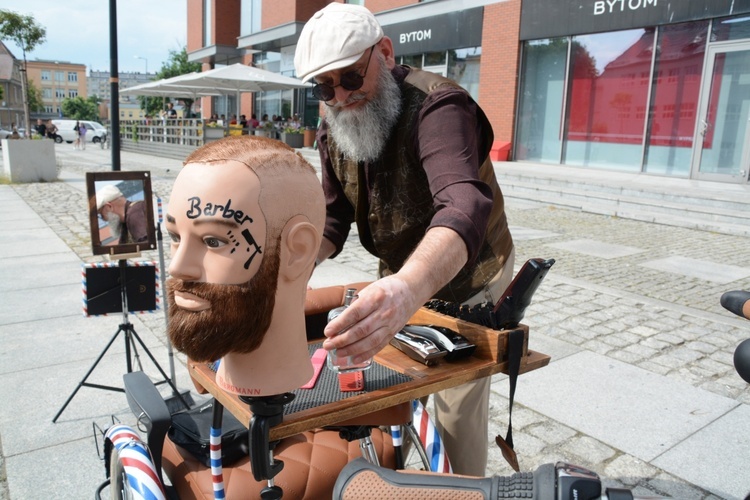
351 80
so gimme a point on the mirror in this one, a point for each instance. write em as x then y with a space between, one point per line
121 213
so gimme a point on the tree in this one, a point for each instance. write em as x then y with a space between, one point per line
176 65
27 34
78 108
35 97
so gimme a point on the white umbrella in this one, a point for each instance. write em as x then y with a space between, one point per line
239 78
168 87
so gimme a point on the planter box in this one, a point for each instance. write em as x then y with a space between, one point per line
261 132
26 160
212 134
309 137
293 140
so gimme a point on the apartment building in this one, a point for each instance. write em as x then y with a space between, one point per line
57 80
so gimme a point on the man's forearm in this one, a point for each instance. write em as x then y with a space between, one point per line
435 261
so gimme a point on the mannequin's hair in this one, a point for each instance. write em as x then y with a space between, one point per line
275 164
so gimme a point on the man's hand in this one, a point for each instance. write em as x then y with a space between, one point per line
383 307
380 310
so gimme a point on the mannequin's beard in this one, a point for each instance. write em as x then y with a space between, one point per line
361 133
237 320
115 225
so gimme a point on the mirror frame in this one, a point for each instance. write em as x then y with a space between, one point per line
99 247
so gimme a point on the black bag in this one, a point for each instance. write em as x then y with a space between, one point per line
191 430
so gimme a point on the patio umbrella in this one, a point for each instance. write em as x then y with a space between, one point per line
239 78
168 87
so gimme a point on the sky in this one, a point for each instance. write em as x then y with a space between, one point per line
78 31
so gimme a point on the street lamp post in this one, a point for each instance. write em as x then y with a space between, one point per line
139 57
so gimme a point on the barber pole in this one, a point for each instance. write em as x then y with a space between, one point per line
430 438
217 472
137 464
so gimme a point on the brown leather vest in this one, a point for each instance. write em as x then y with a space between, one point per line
400 207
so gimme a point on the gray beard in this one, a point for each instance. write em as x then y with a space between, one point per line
361 133
115 225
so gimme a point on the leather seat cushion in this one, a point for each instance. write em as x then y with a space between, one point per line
312 462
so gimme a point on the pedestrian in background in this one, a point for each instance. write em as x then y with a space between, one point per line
81 135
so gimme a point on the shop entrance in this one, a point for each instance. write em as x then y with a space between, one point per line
722 138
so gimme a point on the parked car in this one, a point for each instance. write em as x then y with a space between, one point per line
95 132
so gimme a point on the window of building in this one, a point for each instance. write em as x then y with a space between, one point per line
72 93
626 100
463 68
72 76
460 65
674 100
598 134
60 93
250 16
45 75
48 109
207 22
731 28
59 76
47 93
539 127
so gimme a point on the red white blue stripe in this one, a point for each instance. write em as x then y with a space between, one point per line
430 438
216 469
137 463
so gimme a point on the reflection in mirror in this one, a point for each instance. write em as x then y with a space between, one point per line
121 213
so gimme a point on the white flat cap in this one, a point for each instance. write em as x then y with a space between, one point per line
106 194
335 37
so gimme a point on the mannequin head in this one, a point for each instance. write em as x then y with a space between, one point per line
245 218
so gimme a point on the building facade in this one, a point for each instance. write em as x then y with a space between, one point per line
99 85
11 102
637 85
57 80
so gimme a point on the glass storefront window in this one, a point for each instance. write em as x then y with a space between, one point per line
463 68
540 108
731 28
609 77
674 98
434 58
415 61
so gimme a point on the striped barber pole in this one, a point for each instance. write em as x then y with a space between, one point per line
217 472
430 438
136 461
159 217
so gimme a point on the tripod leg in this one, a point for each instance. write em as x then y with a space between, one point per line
82 382
153 360
130 346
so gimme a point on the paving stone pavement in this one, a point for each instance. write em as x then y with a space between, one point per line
632 295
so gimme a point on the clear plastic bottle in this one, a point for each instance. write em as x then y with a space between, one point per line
344 364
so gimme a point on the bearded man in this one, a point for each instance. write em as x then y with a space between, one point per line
245 219
405 156
126 219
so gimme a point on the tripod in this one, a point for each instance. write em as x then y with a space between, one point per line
130 336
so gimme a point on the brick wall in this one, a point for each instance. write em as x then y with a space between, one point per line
226 22
499 68
376 6
194 25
